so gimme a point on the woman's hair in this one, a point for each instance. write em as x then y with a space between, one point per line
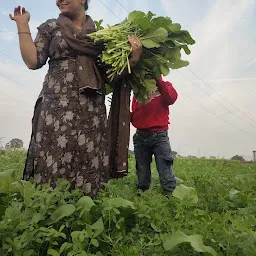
86 5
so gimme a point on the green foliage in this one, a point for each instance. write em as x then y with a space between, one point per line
212 212
196 242
186 194
162 43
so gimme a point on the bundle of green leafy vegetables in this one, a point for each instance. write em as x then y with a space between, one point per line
162 43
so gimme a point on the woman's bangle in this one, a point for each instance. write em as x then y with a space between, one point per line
24 33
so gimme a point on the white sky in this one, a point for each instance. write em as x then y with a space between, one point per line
215 112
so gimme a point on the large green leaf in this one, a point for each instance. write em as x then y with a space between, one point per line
154 37
62 212
162 22
175 27
164 69
149 43
85 203
150 85
95 242
26 189
144 23
196 241
135 15
183 192
162 41
150 15
183 46
97 228
98 225
182 36
179 64
169 43
139 71
173 54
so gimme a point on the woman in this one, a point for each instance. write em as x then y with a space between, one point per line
69 127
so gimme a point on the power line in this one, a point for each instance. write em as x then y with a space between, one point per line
209 87
191 81
16 61
1 51
233 113
218 115
122 6
110 10
205 91
16 82
219 94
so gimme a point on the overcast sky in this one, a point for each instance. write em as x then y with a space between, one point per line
215 113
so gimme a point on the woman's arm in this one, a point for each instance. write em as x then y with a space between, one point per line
136 50
27 47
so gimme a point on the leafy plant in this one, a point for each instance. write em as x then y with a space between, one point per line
162 43
212 212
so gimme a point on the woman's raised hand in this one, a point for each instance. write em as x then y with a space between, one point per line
21 15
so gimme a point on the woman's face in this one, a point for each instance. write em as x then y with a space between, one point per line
70 6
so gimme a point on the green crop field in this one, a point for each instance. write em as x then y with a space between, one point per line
212 212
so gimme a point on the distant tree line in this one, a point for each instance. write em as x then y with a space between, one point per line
13 144
18 144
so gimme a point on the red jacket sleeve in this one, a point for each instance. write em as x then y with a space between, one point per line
166 89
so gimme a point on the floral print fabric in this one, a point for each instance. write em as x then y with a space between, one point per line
69 137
